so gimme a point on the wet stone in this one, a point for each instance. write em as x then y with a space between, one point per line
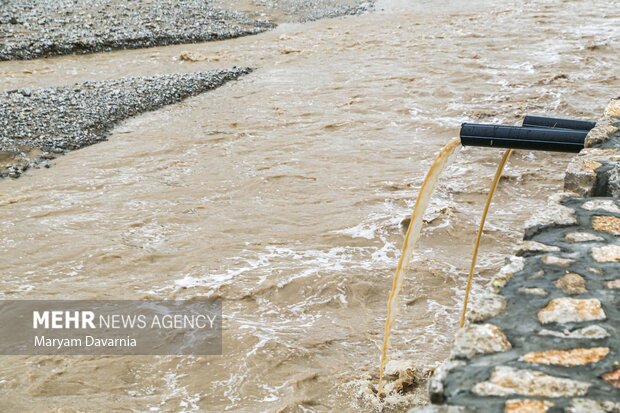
552 215
533 291
614 284
479 339
608 253
585 406
533 247
613 181
527 406
567 358
571 310
600 134
441 409
536 275
582 237
581 175
590 332
508 381
435 384
571 283
612 378
602 205
514 265
613 108
485 306
557 261
606 224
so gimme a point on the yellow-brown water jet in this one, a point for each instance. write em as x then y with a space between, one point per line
494 184
440 163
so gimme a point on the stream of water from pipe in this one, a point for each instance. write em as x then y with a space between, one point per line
443 159
487 205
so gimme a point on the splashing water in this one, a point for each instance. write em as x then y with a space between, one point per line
487 205
441 162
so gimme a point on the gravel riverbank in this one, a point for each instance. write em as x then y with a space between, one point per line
32 29
36 125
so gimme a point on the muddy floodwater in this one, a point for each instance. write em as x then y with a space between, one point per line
283 192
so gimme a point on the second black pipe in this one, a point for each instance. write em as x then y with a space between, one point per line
515 137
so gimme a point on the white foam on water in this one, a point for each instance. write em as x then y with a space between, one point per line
362 230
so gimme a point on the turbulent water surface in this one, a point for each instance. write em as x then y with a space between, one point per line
283 194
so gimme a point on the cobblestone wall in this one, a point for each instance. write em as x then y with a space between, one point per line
545 337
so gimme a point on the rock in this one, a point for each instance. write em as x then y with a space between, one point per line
601 133
613 108
614 284
508 381
485 306
602 205
581 175
613 182
611 407
403 375
590 332
582 237
536 275
571 283
533 291
606 224
567 358
192 57
612 378
557 261
435 384
289 50
479 339
608 253
527 406
441 409
571 310
585 406
514 265
533 246
553 215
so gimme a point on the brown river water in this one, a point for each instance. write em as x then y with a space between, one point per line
283 194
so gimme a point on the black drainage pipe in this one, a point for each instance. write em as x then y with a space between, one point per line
557 123
515 137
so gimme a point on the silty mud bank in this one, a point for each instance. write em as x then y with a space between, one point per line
282 192
546 334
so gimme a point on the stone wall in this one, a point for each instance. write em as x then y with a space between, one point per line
545 337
